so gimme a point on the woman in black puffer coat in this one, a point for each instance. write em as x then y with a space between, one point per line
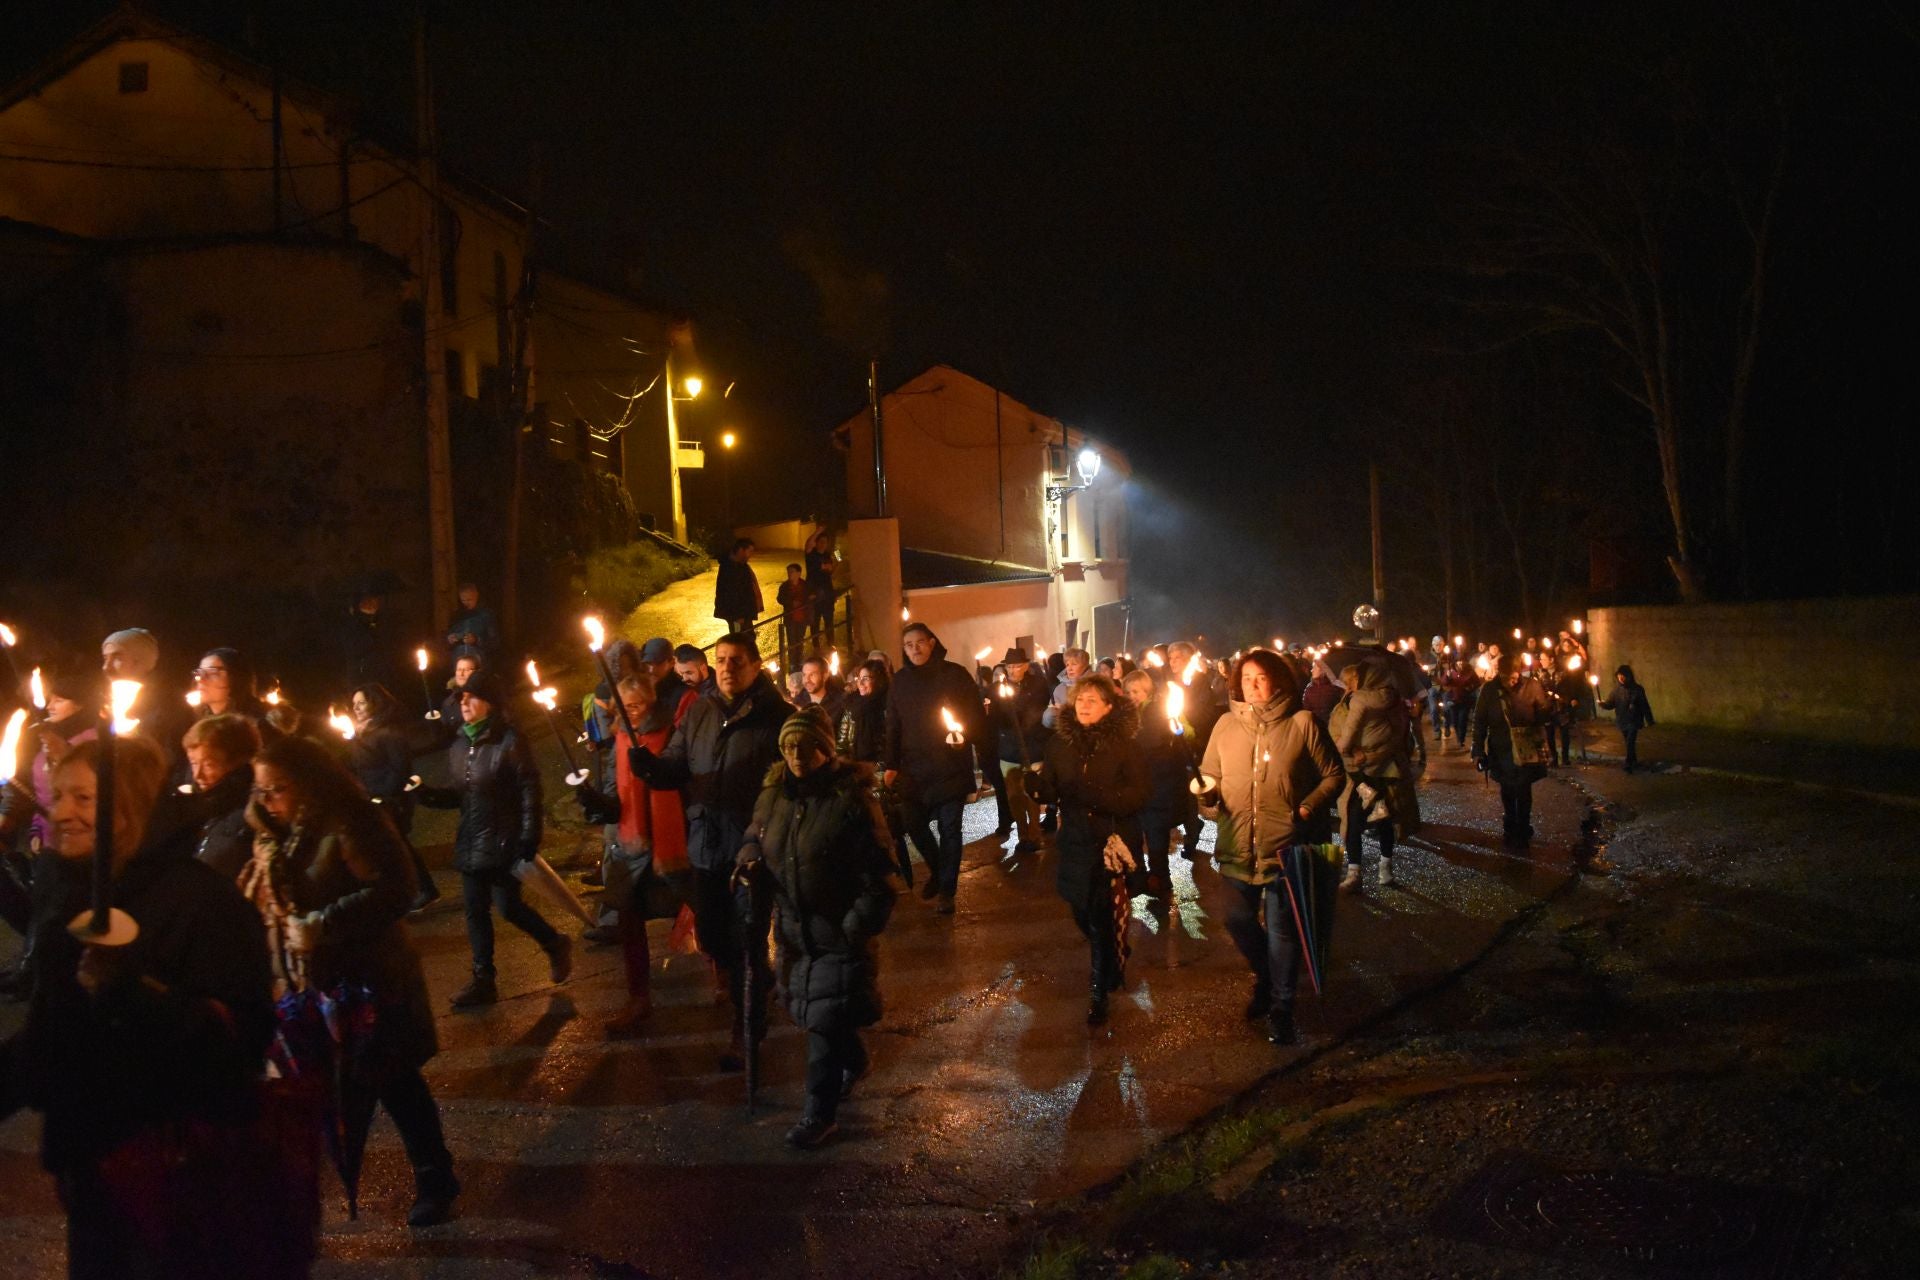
818 832
497 791
1095 774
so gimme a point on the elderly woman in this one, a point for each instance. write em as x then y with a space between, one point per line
1275 777
818 833
332 880
1369 728
220 752
1509 743
146 1055
645 868
1095 775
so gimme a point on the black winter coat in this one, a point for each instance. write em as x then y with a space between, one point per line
829 856
181 1031
1097 777
1631 710
718 758
225 842
861 732
1023 709
1166 758
736 592
497 791
931 772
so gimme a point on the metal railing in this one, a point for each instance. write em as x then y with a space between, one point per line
835 631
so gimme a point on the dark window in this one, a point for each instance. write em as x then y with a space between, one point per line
456 376
133 77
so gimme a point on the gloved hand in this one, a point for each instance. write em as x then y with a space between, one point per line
597 806
639 760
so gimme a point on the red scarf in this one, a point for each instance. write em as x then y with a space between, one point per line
647 814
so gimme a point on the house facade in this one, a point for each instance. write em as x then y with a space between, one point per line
1001 525
222 281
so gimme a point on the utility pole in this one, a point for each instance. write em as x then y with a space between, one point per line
1379 562
879 450
673 452
519 409
433 350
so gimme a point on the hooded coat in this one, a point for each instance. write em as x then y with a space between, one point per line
736 591
830 858
931 772
1019 718
1270 760
1097 776
1369 729
225 842
719 757
1628 702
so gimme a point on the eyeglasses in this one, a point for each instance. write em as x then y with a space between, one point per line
207 673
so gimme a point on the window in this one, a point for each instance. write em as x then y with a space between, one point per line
133 77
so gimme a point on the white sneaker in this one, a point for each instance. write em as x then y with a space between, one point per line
1350 882
1386 873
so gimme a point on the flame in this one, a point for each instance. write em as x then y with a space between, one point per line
946 718
1594 681
120 700
533 674
1195 665
1573 662
39 690
833 662
773 666
547 698
193 697
273 696
1459 642
342 725
1483 664
1516 633
8 636
1527 658
1005 690
596 634
420 658
1039 653
10 744
1279 643
1577 626
1155 659
1176 707
906 614
984 654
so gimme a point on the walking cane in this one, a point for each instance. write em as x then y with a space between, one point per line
747 876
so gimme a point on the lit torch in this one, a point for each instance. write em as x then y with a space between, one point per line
39 690
955 735
193 698
1573 662
549 698
420 660
597 641
833 663
10 745
1195 665
1176 712
342 725
272 698
102 924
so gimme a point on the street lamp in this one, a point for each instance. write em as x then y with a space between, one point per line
693 385
727 440
1087 464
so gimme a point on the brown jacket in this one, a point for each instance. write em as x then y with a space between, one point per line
1270 760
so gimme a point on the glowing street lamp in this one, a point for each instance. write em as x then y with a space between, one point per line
693 384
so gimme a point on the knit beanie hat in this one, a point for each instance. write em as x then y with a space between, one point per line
809 725
140 646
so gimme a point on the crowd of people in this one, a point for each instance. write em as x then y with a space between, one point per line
266 858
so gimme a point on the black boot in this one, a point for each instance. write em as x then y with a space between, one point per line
482 990
1280 1027
1261 1001
433 1195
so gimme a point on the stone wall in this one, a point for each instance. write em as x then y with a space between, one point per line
1832 670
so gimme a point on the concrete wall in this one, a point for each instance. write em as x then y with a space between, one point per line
1835 670
780 535
872 550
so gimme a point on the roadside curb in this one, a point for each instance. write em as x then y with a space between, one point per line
1894 798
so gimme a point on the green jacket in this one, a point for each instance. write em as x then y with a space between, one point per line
1270 761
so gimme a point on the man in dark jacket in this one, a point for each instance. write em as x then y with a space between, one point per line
718 758
934 775
1022 740
474 630
497 790
818 832
736 591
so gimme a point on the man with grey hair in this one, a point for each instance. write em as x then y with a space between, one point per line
134 654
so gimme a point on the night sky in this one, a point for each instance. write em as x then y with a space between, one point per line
1224 237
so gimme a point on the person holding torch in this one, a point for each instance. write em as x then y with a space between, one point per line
149 1053
933 717
1021 702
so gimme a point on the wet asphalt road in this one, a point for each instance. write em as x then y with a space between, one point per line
989 1096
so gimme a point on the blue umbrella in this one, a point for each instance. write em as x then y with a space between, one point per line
1311 874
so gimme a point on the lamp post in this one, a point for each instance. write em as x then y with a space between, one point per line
727 440
693 385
